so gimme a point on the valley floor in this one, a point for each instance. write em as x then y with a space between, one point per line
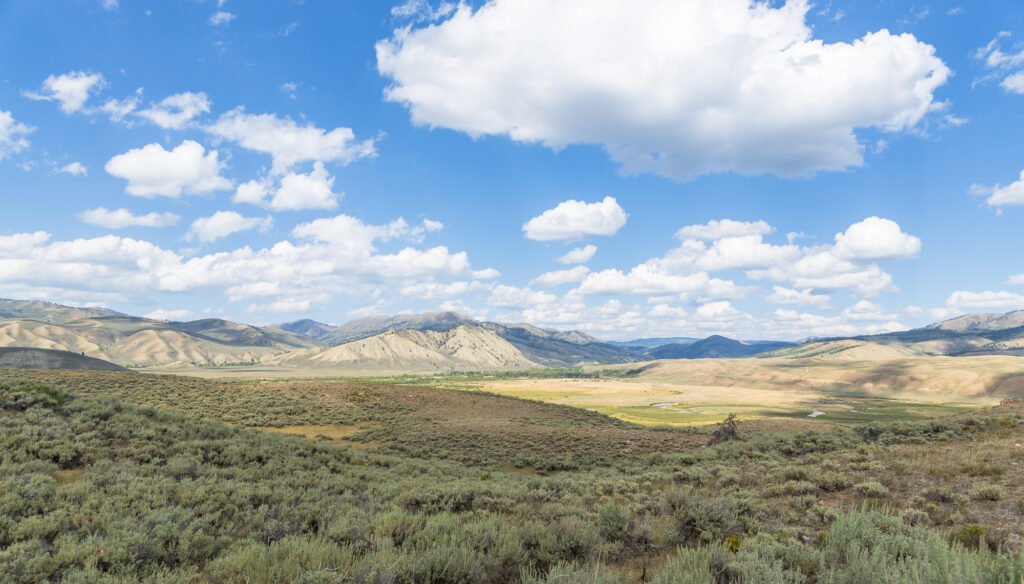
121 477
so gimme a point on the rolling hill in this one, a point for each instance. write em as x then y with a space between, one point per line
842 350
27 358
713 347
651 342
307 328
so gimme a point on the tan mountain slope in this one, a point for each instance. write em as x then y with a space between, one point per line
31 358
41 335
844 350
143 342
242 334
927 378
47 311
981 322
462 348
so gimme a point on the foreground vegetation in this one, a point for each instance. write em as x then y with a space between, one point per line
130 478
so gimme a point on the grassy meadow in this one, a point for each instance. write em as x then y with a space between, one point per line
121 477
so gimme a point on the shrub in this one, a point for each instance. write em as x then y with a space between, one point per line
725 431
986 492
871 489
970 536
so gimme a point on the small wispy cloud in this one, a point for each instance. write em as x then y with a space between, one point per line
220 18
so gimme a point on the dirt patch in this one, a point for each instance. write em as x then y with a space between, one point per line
70 475
330 433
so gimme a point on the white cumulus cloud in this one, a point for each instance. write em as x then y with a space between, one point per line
296 191
998 195
175 111
118 109
1009 66
686 269
224 223
579 255
74 169
559 277
12 135
178 314
864 310
782 295
71 90
1013 83
221 18
962 300
572 220
121 218
511 296
288 142
325 259
876 239
420 10
716 229
674 88
152 171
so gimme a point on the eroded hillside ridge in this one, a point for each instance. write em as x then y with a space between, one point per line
135 341
461 348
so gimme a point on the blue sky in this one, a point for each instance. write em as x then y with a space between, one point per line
776 170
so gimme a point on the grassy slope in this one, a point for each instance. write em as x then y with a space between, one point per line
446 486
28 358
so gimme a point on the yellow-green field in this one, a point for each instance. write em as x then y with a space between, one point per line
669 404
818 391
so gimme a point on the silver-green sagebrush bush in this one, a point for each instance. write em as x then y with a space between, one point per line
94 488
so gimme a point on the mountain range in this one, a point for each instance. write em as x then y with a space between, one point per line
714 347
443 341
970 334
139 342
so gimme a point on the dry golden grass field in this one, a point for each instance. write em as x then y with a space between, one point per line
681 392
685 392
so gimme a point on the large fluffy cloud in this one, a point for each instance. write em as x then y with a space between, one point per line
152 171
572 220
848 264
876 239
12 135
296 191
675 88
325 258
71 90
